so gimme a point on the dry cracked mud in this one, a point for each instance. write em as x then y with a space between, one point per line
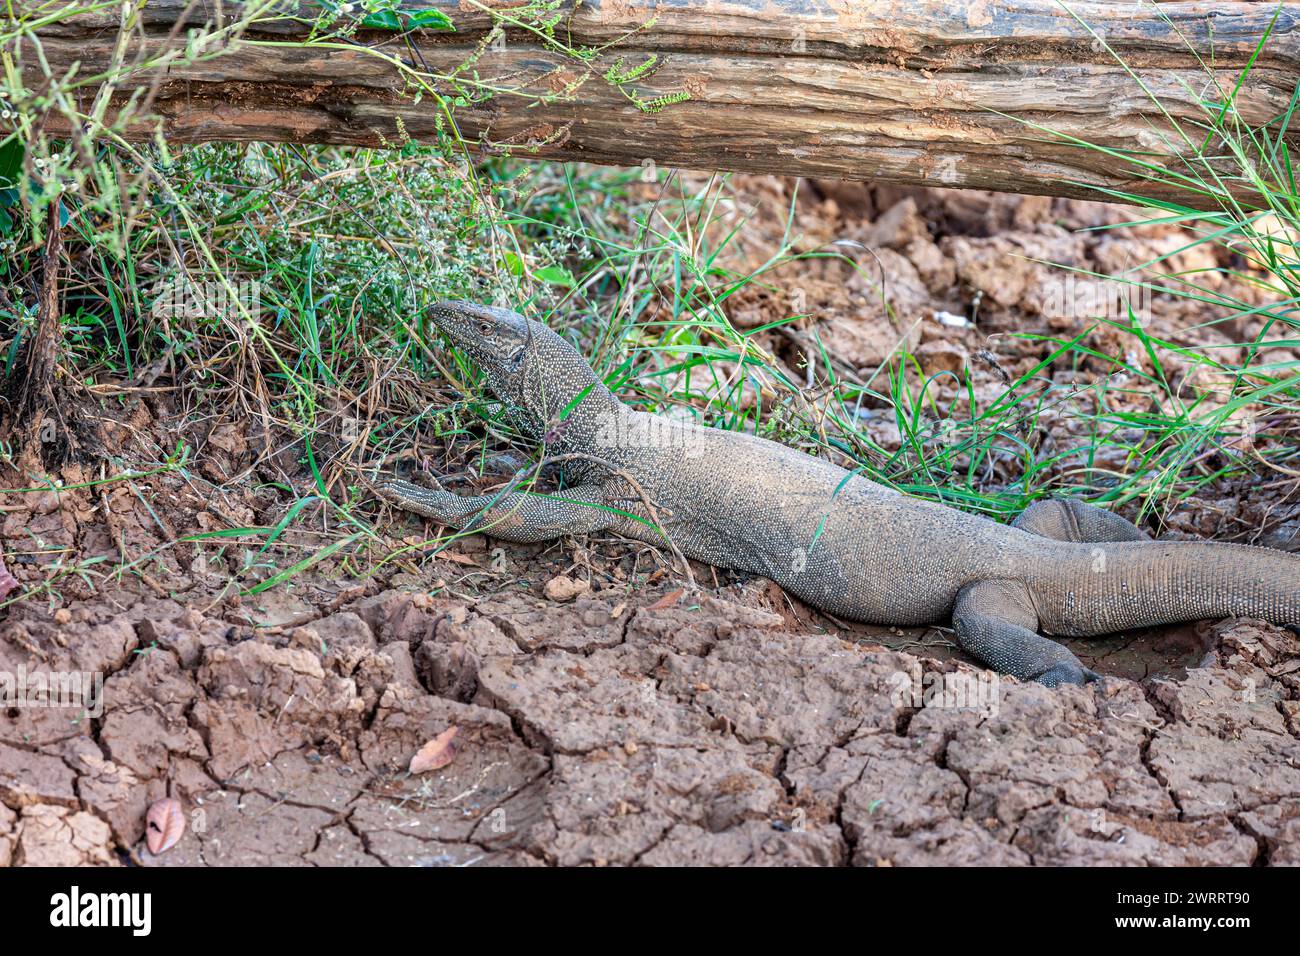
701 732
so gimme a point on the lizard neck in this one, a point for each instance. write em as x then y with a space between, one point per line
576 421
555 398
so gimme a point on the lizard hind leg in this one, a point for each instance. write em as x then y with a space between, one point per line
996 623
1069 519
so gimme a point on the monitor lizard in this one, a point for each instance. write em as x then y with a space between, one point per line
835 539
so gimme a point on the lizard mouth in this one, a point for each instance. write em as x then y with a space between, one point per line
441 312
453 319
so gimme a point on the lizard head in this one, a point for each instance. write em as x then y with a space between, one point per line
541 378
490 336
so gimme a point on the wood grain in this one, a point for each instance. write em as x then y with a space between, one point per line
968 93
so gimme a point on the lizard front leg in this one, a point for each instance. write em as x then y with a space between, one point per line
516 516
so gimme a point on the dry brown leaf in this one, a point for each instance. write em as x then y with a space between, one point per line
164 825
7 581
668 600
437 753
458 558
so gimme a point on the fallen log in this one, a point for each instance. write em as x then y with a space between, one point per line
964 93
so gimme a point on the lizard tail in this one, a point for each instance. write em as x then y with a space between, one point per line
1105 587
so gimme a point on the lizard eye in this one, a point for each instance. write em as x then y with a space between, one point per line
485 328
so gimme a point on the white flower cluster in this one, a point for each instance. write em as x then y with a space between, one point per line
49 166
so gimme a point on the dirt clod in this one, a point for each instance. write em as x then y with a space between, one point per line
563 588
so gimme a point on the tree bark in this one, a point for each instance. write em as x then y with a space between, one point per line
42 356
988 94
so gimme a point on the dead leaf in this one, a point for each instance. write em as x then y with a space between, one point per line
458 558
437 753
7 581
229 438
164 825
668 600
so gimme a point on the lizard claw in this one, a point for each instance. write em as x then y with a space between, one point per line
396 489
1067 672
431 502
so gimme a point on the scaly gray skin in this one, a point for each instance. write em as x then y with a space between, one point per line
838 541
